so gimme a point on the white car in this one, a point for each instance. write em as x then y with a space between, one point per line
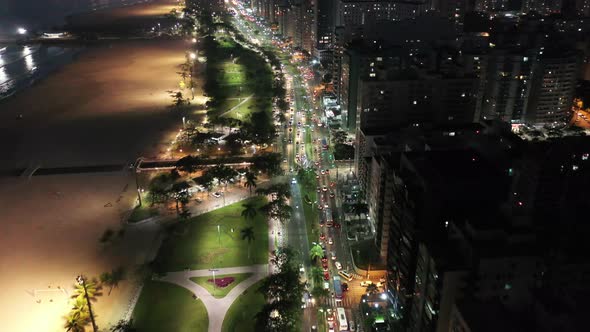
333 254
293 181
330 240
338 265
216 194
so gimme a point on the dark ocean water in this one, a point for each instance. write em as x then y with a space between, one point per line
20 66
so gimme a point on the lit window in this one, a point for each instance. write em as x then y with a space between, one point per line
372 75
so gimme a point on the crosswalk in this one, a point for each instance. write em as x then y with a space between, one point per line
333 302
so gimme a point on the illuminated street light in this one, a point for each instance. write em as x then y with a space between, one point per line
21 31
193 56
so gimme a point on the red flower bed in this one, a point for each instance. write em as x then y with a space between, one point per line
222 282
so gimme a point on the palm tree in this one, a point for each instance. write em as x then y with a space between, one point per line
89 291
372 289
75 322
316 252
113 278
248 234
249 211
317 275
79 310
250 181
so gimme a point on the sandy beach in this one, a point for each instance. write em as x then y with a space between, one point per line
109 106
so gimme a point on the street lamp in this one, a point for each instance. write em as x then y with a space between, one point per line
21 31
219 235
82 282
193 56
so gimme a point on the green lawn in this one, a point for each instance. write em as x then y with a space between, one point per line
240 316
311 215
200 246
166 307
232 73
243 111
219 293
142 212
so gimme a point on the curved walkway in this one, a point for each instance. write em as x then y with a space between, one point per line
217 308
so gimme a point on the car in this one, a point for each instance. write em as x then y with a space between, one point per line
301 268
351 326
330 240
338 265
333 255
332 194
326 276
322 236
366 283
323 172
293 181
198 200
325 188
325 267
285 160
326 285
216 194
324 258
344 287
331 326
319 189
330 314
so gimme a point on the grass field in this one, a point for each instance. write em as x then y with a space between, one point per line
311 216
243 111
201 246
142 212
166 307
232 73
240 316
217 292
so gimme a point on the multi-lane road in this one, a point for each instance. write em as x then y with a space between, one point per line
302 142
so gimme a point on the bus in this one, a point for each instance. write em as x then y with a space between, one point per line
342 322
328 217
345 275
324 144
337 287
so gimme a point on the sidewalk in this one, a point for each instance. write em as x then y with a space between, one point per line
217 308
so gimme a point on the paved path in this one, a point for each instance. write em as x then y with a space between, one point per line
238 105
217 308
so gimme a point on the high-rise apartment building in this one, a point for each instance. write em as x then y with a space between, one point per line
552 87
506 80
